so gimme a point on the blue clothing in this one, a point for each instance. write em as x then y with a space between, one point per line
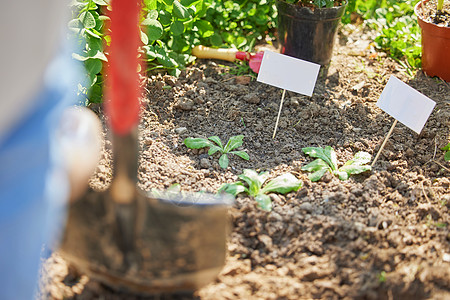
33 183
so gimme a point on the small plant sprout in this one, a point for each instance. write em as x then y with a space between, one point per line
440 5
282 184
382 277
327 161
447 152
215 145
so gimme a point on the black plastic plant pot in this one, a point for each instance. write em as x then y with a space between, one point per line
307 33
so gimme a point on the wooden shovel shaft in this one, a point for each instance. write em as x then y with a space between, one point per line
211 53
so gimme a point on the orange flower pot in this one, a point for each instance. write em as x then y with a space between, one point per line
435 47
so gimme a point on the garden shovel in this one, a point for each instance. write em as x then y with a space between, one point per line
131 239
254 59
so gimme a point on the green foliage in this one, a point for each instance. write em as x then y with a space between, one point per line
400 33
86 27
447 153
282 184
327 161
215 145
382 277
240 23
169 30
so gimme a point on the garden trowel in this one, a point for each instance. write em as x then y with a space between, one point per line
254 59
131 239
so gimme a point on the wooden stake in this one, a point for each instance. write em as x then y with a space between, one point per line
279 113
384 142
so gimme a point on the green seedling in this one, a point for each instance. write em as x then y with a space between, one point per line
382 277
215 145
282 184
399 32
440 5
327 161
447 152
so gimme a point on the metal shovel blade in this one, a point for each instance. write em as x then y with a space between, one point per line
179 241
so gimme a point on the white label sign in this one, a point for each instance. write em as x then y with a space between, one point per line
405 104
288 73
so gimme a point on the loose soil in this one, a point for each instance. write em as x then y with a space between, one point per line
430 14
383 234
313 6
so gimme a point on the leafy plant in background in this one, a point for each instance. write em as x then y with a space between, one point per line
282 184
327 161
241 23
400 32
215 145
447 153
86 28
169 30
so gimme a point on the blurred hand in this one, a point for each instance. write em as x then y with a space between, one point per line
80 139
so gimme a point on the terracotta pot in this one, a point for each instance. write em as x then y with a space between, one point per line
435 47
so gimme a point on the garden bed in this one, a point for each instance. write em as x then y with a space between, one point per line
379 235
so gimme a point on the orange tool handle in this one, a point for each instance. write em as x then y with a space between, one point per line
122 79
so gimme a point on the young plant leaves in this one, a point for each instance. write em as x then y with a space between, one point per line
447 153
215 145
254 180
356 165
223 161
197 143
241 154
216 140
327 161
264 202
318 168
233 143
328 155
213 149
233 188
282 184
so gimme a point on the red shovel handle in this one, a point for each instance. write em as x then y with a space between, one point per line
122 80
